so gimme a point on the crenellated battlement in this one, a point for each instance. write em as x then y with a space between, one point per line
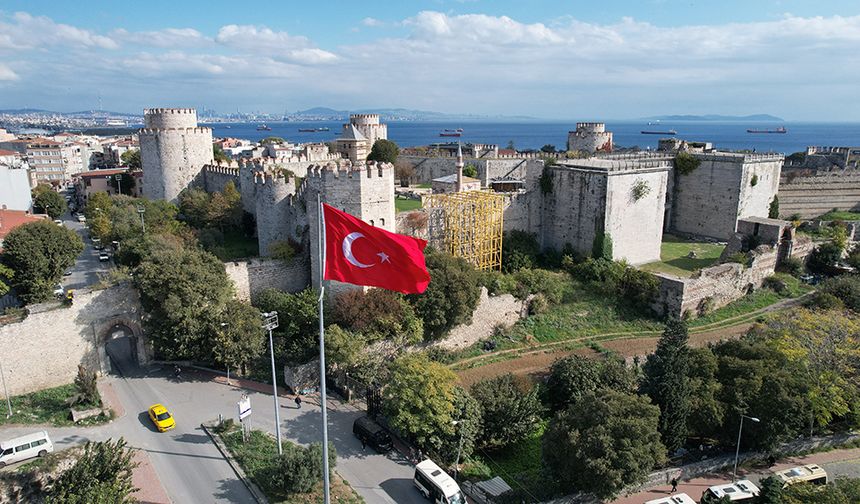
223 168
364 119
156 131
170 111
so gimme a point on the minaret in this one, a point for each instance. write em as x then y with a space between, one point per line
459 168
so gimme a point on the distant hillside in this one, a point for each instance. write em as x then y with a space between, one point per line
717 117
387 114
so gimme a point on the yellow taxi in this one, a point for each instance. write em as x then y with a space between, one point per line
162 419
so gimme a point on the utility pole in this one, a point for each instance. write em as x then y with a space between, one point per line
140 211
270 322
6 392
738 447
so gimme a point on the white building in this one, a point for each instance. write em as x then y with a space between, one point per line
15 188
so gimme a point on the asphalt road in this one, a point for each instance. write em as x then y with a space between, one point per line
190 467
87 267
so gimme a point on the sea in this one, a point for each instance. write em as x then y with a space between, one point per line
534 135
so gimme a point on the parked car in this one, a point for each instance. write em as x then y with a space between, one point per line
372 433
81 218
162 419
104 256
25 447
58 222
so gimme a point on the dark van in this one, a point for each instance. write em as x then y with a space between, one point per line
371 433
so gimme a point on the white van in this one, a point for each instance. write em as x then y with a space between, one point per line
436 485
680 498
25 447
810 473
742 491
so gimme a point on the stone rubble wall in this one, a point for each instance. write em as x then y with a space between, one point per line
811 194
256 275
45 348
491 311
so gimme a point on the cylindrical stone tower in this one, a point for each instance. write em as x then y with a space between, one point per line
173 150
590 137
370 127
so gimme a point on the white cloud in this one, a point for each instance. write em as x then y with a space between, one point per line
265 42
24 31
168 37
7 74
372 22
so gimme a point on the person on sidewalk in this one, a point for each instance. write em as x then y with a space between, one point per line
298 402
674 485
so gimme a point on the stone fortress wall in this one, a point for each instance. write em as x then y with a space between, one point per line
370 127
590 137
253 276
173 151
811 193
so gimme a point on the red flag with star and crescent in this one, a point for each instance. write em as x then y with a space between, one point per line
361 254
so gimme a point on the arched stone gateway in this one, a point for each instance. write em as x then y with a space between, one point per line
123 344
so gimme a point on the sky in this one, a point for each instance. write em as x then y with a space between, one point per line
565 60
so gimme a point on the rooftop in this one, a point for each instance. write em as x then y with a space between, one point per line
102 173
10 219
451 179
350 132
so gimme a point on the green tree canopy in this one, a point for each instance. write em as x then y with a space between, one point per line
296 338
419 399
572 377
6 275
378 314
607 441
667 383
218 154
511 409
706 412
384 151
103 473
343 348
470 170
451 296
131 158
48 201
466 421
39 253
184 292
239 336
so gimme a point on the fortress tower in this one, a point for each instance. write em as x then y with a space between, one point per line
369 126
590 137
173 150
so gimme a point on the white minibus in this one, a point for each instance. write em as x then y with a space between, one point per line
680 498
809 473
25 447
741 491
436 485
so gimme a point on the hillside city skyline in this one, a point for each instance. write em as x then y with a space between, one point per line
549 62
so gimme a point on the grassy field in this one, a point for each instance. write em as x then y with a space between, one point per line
675 260
406 205
846 216
46 407
257 459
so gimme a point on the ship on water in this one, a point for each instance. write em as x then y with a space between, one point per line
263 127
451 132
781 129
670 132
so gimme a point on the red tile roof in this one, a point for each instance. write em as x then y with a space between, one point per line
10 219
4 153
102 173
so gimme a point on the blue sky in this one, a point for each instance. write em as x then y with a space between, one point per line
559 60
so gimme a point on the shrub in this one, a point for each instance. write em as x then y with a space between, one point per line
299 469
824 257
546 178
686 163
282 250
519 250
378 314
773 208
640 189
470 171
792 265
538 305
639 287
498 283
845 288
824 301
601 247
754 180
775 284
538 281
741 258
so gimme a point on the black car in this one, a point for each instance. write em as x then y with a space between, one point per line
372 433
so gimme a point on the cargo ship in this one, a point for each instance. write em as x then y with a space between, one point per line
307 130
263 127
451 132
781 129
667 132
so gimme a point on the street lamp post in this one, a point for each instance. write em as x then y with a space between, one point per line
140 211
738 447
270 322
6 392
459 449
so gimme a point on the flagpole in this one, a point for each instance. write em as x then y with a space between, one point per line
321 246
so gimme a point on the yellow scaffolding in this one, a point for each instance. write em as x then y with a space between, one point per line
469 225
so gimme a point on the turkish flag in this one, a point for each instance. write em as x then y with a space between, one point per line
360 254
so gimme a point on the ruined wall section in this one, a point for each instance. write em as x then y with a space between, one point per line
813 193
173 151
755 198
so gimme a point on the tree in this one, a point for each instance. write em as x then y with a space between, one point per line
819 347
131 158
511 409
272 139
706 412
239 336
103 473
87 388
606 442
39 253
825 257
667 383
451 296
519 250
219 155
845 288
379 315
470 171
548 148
6 275
403 170
419 399
343 348
510 145
466 426
296 338
97 203
770 491
183 292
50 202
773 208
300 469
574 376
194 205
384 151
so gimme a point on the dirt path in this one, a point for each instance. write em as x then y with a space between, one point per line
534 363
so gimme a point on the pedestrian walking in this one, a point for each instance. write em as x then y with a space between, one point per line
363 443
298 402
674 485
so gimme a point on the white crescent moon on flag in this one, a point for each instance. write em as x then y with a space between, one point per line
347 250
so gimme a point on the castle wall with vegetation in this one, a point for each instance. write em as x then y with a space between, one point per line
813 193
253 276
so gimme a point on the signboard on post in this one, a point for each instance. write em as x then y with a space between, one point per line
244 405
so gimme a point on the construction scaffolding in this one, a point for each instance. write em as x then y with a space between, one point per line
468 225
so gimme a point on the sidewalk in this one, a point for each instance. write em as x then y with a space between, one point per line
149 488
696 486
